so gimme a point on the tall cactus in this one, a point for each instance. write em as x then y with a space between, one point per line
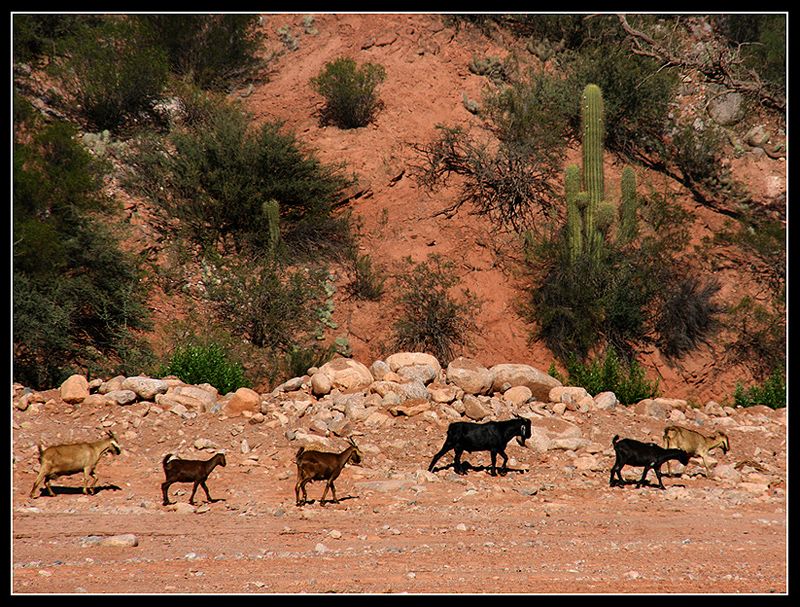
272 213
593 132
572 187
628 227
589 216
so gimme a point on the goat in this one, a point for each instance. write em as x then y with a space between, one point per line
694 443
488 436
322 466
63 460
189 471
632 452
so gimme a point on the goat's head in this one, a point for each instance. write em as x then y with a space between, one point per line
524 430
114 444
356 456
721 439
221 459
683 458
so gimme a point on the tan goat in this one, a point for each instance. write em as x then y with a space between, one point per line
694 443
63 460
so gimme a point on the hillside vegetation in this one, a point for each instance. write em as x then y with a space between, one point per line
600 195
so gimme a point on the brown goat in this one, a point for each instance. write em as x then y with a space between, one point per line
189 471
322 466
694 443
63 460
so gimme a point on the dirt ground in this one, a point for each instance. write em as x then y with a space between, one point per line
550 525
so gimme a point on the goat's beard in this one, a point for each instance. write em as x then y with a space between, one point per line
521 441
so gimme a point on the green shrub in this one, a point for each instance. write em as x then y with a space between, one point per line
430 319
759 336
350 96
368 281
211 50
626 380
772 392
698 155
217 175
210 363
299 359
77 296
42 35
114 74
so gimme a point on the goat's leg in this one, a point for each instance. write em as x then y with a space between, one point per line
436 457
457 465
616 469
325 492
36 485
643 480
49 487
504 467
333 492
493 471
86 490
93 474
164 489
705 463
208 495
658 476
194 490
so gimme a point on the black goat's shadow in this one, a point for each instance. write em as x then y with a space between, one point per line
646 483
62 490
465 465
341 499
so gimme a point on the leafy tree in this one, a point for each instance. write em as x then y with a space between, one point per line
77 296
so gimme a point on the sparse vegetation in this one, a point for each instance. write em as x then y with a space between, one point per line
351 99
771 392
627 380
430 318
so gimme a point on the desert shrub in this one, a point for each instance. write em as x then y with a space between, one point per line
762 40
686 315
77 296
39 35
698 156
211 50
112 72
368 281
218 175
636 96
350 93
272 306
627 380
771 392
759 341
299 359
429 318
206 363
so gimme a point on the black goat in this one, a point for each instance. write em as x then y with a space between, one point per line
322 466
632 452
189 471
488 436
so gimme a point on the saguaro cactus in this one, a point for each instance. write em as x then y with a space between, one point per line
272 213
589 216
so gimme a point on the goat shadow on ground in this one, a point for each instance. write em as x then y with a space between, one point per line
646 483
61 490
466 466
341 499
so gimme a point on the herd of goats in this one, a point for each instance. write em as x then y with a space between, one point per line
679 444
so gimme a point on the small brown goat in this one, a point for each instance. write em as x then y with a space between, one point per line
694 443
322 466
189 471
63 460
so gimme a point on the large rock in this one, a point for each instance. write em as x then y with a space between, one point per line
508 375
474 409
244 399
193 398
469 375
407 359
567 394
74 389
145 388
347 374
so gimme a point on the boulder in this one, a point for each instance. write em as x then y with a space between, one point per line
518 395
474 408
74 389
244 399
321 384
469 375
347 374
514 374
145 388
567 394
407 359
121 397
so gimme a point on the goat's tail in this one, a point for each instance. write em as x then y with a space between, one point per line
299 453
41 451
614 440
166 459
